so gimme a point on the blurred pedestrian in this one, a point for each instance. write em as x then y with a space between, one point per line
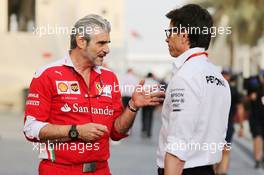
128 83
236 109
196 107
256 119
151 84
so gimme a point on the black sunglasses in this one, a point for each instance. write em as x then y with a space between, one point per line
170 31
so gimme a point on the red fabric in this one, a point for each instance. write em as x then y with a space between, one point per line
62 96
48 168
195 55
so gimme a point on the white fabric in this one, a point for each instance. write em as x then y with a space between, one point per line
195 112
32 127
67 61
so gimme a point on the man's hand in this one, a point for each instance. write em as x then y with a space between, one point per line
141 97
91 131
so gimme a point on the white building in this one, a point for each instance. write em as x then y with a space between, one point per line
23 50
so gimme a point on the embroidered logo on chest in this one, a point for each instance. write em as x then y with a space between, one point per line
107 91
68 87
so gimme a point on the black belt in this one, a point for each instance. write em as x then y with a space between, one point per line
160 171
84 167
201 170
93 166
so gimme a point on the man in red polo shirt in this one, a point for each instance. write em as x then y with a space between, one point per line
74 105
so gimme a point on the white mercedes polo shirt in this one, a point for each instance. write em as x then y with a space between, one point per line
195 112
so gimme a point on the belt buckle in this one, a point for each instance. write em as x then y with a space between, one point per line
89 167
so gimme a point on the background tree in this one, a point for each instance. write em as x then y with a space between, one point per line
245 17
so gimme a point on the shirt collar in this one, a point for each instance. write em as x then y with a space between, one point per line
180 60
67 61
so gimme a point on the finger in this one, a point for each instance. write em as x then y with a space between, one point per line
154 103
139 87
99 133
102 128
93 137
97 136
141 82
157 99
157 94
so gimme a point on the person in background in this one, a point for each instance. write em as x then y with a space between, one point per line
147 112
128 83
256 119
236 109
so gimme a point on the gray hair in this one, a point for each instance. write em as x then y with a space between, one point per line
88 25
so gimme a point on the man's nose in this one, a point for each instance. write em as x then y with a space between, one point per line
167 40
106 49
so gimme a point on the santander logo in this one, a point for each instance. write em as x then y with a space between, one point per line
65 108
75 108
106 111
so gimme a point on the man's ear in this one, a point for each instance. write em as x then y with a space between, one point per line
81 42
185 38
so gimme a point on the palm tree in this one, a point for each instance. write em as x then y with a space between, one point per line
246 18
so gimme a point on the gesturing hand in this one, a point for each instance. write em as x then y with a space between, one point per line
141 97
91 131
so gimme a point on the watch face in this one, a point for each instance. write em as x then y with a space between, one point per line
74 134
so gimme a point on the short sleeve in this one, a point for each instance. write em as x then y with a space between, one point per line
118 110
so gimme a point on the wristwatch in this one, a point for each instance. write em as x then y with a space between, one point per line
73 133
131 108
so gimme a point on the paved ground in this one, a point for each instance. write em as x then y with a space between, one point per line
133 156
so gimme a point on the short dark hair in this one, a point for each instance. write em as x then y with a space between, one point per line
193 16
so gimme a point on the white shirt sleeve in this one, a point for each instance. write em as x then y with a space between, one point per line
32 127
185 99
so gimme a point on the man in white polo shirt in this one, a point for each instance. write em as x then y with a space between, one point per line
196 107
